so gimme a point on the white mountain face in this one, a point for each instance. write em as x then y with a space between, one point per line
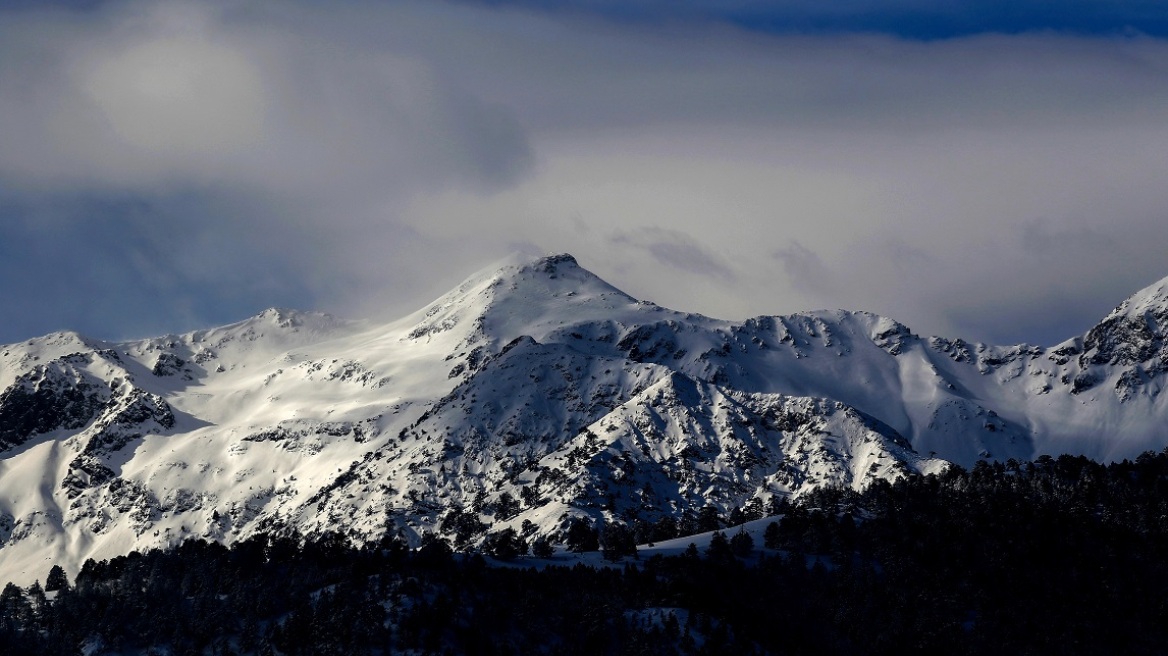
534 392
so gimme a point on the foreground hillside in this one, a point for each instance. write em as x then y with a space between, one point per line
531 396
1057 556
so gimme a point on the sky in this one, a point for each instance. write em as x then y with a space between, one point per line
985 170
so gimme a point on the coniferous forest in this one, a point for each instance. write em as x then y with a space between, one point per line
1061 555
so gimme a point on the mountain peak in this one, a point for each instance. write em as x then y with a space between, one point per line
549 263
1153 298
560 266
519 296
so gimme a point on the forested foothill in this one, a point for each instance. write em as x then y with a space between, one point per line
1058 556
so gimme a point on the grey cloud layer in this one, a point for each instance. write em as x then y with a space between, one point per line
1001 188
149 94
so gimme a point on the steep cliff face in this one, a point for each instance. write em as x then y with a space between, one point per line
58 395
1128 350
532 393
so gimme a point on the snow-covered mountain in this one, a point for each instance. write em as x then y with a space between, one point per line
533 392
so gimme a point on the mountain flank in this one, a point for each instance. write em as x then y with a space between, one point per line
531 395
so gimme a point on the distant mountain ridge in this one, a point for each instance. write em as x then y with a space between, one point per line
532 393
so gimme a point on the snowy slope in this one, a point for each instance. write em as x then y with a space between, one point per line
531 393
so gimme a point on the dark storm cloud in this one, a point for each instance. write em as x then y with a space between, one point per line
917 19
119 267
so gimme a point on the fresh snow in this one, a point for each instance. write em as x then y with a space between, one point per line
531 375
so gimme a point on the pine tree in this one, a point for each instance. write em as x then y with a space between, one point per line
504 545
753 510
15 611
741 544
617 541
581 536
708 519
542 548
771 537
56 580
38 602
719 548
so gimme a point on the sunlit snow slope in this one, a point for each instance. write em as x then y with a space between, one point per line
531 393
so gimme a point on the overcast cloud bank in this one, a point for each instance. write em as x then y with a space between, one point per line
170 165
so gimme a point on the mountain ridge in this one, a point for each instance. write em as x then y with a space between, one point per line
531 394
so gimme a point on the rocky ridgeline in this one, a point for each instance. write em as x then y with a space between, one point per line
532 394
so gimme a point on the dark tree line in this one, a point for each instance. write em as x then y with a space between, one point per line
1062 555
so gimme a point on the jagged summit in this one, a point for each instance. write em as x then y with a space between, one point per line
553 265
1128 350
